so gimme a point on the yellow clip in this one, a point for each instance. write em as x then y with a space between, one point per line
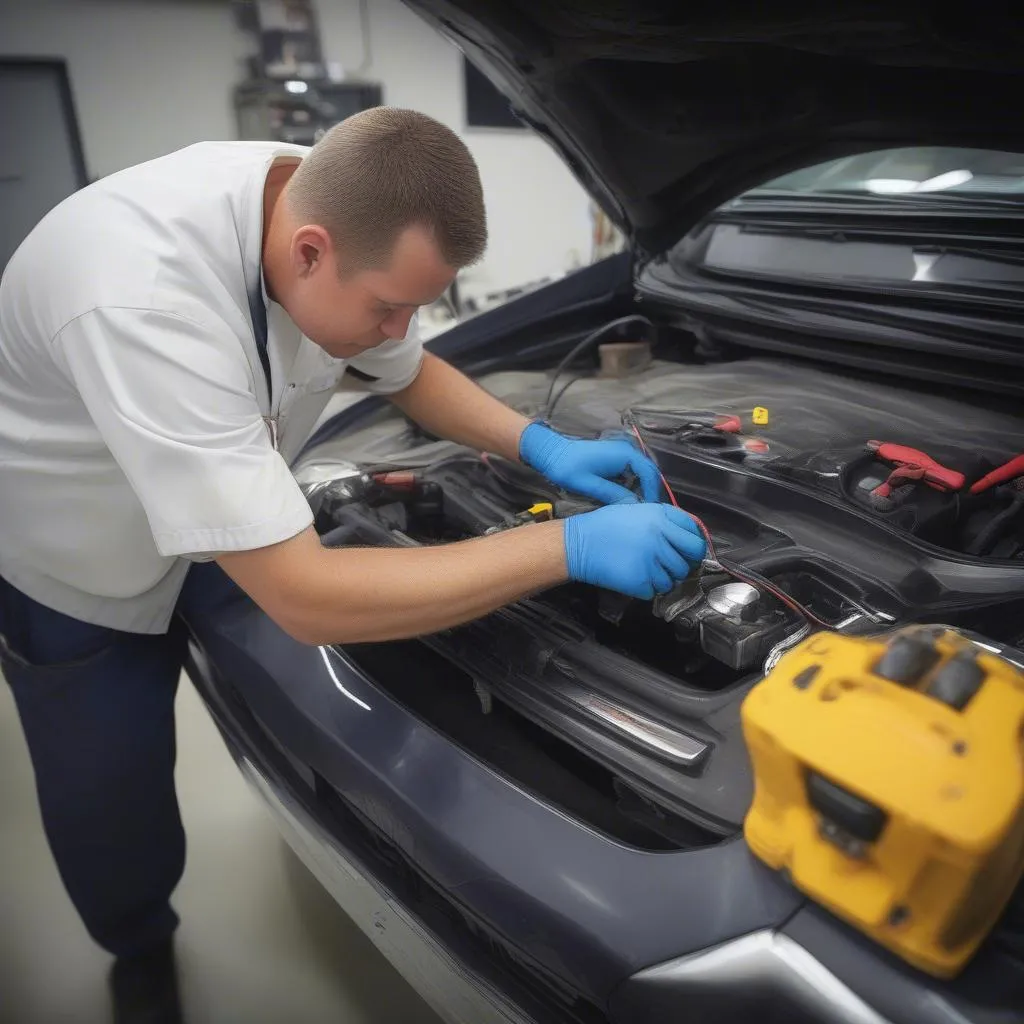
760 416
542 510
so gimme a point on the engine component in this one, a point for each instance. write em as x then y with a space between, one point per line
741 644
622 358
736 601
680 598
731 620
889 784
539 512
784 645
423 499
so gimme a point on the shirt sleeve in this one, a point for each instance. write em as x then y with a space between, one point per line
172 399
392 365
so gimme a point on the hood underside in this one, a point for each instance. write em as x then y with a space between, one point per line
665 109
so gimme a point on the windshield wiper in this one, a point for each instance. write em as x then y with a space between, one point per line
918 202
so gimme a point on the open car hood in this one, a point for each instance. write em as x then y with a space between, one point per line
665 110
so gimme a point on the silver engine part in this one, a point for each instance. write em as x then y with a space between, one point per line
736 601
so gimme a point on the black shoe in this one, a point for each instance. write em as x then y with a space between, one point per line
145 987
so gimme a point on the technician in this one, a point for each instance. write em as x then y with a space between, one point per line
168 338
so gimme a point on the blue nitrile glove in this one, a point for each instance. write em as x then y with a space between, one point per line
588 467
641 549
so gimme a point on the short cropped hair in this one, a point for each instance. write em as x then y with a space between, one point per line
384 170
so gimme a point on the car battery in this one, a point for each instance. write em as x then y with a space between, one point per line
889 785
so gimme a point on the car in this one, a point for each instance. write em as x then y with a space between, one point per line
539 816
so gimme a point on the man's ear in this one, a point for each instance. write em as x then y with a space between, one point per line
309 249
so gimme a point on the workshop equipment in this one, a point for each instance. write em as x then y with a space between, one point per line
912 464
698 422
721 432
1011 470
685 423
889 784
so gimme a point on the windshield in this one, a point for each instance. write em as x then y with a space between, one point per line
918 221
935 171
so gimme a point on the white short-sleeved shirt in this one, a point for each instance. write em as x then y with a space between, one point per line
134 408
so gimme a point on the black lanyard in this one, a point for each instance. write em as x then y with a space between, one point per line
258 312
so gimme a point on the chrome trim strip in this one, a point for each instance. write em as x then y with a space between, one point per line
1009 654
447 986
676 746
768 962
776 653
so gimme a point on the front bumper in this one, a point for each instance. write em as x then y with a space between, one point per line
745 974
448 986
597 929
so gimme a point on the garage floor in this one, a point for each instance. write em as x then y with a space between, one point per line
259 942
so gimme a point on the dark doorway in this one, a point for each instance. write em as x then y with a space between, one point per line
41 159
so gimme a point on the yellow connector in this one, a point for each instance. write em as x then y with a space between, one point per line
889 784
541 512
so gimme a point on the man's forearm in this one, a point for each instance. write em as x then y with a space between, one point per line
448 404
352 595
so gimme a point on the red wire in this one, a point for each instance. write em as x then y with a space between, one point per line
788 601
671 494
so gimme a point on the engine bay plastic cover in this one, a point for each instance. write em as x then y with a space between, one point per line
651 689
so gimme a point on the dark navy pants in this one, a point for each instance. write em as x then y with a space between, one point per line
97 709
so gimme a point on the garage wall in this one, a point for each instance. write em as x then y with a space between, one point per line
149 76
537 212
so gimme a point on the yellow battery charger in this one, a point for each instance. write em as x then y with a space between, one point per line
889 785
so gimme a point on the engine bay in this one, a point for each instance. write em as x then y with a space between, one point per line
791 498
726 626
650 690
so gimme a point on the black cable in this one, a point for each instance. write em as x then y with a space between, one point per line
591 339
525 482
554 402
